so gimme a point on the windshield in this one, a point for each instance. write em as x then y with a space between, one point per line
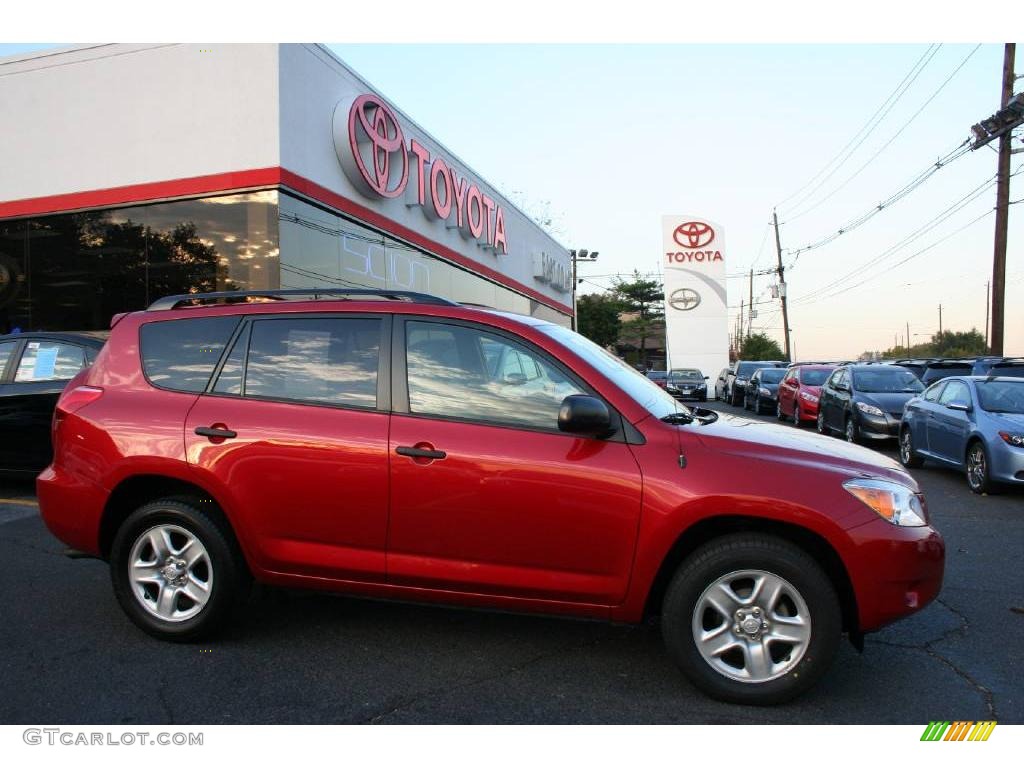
772 375
1001 396
642 390
746 370
656 375
1007 370
886 380
814 378
686 374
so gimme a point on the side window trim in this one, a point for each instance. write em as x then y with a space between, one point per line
624 432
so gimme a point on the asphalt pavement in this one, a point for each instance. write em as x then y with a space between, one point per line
69 655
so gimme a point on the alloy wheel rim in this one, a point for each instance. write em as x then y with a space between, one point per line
170 572
796 415
976 467
821 422
849 431
752 626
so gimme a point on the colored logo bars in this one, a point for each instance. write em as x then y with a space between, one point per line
961 730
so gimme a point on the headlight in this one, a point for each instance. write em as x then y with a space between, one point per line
740 380
1013 438
764 392
808 397
870 409
896 503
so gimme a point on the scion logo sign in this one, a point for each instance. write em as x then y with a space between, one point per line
693 234
379 160
684 299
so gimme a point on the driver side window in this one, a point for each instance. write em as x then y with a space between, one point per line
466 373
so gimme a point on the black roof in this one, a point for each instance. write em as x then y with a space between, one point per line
95 339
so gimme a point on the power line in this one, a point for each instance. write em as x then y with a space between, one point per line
919 179
893 138
920 231
897 93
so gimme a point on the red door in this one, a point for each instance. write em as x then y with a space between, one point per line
513 508
304 460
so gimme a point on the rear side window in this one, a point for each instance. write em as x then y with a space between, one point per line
318 360
50 361
181 354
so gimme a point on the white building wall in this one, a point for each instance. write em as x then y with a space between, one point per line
113 115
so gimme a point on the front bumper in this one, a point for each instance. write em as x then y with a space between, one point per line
879 427
1007 462
693 394
896 571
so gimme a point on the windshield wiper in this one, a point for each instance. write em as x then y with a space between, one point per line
678 418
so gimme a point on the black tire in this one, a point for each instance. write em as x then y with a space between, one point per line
228 575
776 556
979 484
734 399
908 456
851 432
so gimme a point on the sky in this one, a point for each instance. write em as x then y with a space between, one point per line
608 138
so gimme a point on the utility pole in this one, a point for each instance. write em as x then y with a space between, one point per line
782 284
750 304
1002 210
908 338
940 321
740 344
987 287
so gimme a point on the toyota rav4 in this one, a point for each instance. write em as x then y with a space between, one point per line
397 445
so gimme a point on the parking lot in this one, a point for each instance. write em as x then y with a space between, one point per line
70 655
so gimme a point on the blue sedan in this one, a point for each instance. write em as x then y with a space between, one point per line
974 423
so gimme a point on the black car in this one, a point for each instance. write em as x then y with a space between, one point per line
34 367
943 368
762 391
687 384
740 375
866 401
915 365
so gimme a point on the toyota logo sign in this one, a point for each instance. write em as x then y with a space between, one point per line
693 234
377 144
684 299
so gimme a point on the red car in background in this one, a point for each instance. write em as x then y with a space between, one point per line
799 392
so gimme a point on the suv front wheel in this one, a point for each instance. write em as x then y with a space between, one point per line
175 572
751 619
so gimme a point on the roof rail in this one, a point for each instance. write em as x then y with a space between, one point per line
229 297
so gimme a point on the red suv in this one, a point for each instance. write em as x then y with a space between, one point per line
401 446
799 392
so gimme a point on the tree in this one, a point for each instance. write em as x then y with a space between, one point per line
644 299
758 346
597 318
946 344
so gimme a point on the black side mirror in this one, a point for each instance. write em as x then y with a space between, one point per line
584 415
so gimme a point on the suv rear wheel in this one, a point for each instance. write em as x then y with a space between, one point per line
175 571
751 619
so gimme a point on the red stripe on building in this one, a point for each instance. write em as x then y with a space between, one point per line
258 177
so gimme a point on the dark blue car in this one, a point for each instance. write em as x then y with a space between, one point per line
973 423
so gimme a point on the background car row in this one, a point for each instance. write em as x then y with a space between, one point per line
967 414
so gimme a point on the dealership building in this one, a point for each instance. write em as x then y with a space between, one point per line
130 172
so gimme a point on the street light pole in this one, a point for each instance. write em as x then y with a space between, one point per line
581 255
